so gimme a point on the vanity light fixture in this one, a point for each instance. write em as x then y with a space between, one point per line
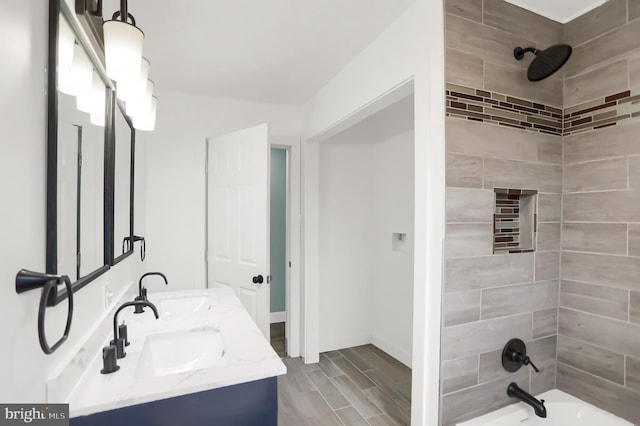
130 90
123 45
146 120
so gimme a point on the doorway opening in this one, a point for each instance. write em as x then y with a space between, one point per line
366 220
278 248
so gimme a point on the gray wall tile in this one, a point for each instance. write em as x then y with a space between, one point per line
490 43
611 206
490 366
498 302
470 9
475 138
614 335
548 236
510 78
600 20
608 47
545 323
605 301
479 400
634 10
483 336
605 143
634 71
465 171
514 19
461 307
543 353
469 239
519 174
634 239
549 207
634 306
596 175
469 205
547 265
600 82
459 374
464 69
474 273
613 271
550 152
601 362
601 393
634 171
633 373
608 238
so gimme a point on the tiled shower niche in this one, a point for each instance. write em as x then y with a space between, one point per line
514 220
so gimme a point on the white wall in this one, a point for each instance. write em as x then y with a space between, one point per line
392 208
24 368
346 225
413 46
366 289
175 203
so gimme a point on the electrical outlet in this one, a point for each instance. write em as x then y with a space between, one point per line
108 295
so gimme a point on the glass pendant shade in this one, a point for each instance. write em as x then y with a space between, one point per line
140 104
123 50
98 110
130 90
78 80
146 120
66 42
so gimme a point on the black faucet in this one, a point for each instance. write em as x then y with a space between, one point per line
142 291
115 349
119 340
515 391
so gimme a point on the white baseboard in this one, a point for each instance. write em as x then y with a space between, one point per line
337 343
401 354
278 316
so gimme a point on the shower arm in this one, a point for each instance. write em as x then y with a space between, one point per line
519 52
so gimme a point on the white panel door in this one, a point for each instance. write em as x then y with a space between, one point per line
238 218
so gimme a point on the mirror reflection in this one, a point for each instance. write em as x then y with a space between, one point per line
81 134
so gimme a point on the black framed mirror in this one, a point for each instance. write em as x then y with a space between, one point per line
79 153
124 168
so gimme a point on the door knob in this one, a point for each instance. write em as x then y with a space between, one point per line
258 279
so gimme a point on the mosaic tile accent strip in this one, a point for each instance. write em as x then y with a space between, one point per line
602 112
506 221
503 110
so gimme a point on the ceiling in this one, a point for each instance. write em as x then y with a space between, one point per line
561 11
380 126
275 51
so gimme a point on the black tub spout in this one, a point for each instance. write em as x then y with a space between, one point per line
515 391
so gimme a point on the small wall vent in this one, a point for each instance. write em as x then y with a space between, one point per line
515 220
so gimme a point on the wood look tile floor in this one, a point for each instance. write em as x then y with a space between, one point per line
277 338
355 386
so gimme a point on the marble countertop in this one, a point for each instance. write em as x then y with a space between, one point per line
248 356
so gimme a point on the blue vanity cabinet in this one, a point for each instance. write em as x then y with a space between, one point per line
245 404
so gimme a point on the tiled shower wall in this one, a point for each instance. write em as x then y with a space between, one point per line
491 298
599 315
492 141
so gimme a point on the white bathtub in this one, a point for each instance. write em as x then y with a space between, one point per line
562 410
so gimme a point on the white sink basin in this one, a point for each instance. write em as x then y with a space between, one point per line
180 351
184 305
